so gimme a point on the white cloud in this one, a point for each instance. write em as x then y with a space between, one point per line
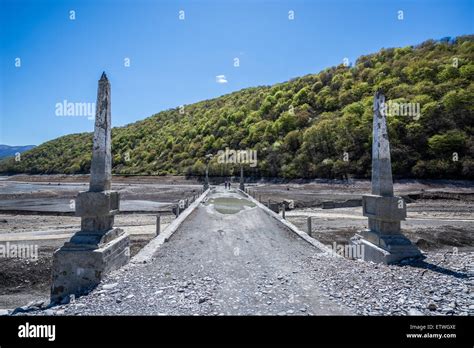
221 79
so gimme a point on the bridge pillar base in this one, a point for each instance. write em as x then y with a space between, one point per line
396 248
79 268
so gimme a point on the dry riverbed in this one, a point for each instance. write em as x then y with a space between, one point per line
440 221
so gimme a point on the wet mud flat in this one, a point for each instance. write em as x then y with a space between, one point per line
56 193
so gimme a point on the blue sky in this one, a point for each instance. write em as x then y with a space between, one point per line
175 62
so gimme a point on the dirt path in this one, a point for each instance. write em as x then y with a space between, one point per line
229 257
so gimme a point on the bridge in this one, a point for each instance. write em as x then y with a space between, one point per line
226 254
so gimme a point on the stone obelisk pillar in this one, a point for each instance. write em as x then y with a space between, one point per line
242 185
98 247
383 240
101 165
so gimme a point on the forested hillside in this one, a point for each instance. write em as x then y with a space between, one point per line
317 125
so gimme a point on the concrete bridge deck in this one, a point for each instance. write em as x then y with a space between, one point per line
229 257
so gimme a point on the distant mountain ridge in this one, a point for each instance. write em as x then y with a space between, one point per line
315 126
7 150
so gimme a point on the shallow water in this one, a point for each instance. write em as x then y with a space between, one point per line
229 205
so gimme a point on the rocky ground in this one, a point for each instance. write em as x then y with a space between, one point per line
442 284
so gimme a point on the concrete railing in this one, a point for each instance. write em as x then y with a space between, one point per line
146 254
